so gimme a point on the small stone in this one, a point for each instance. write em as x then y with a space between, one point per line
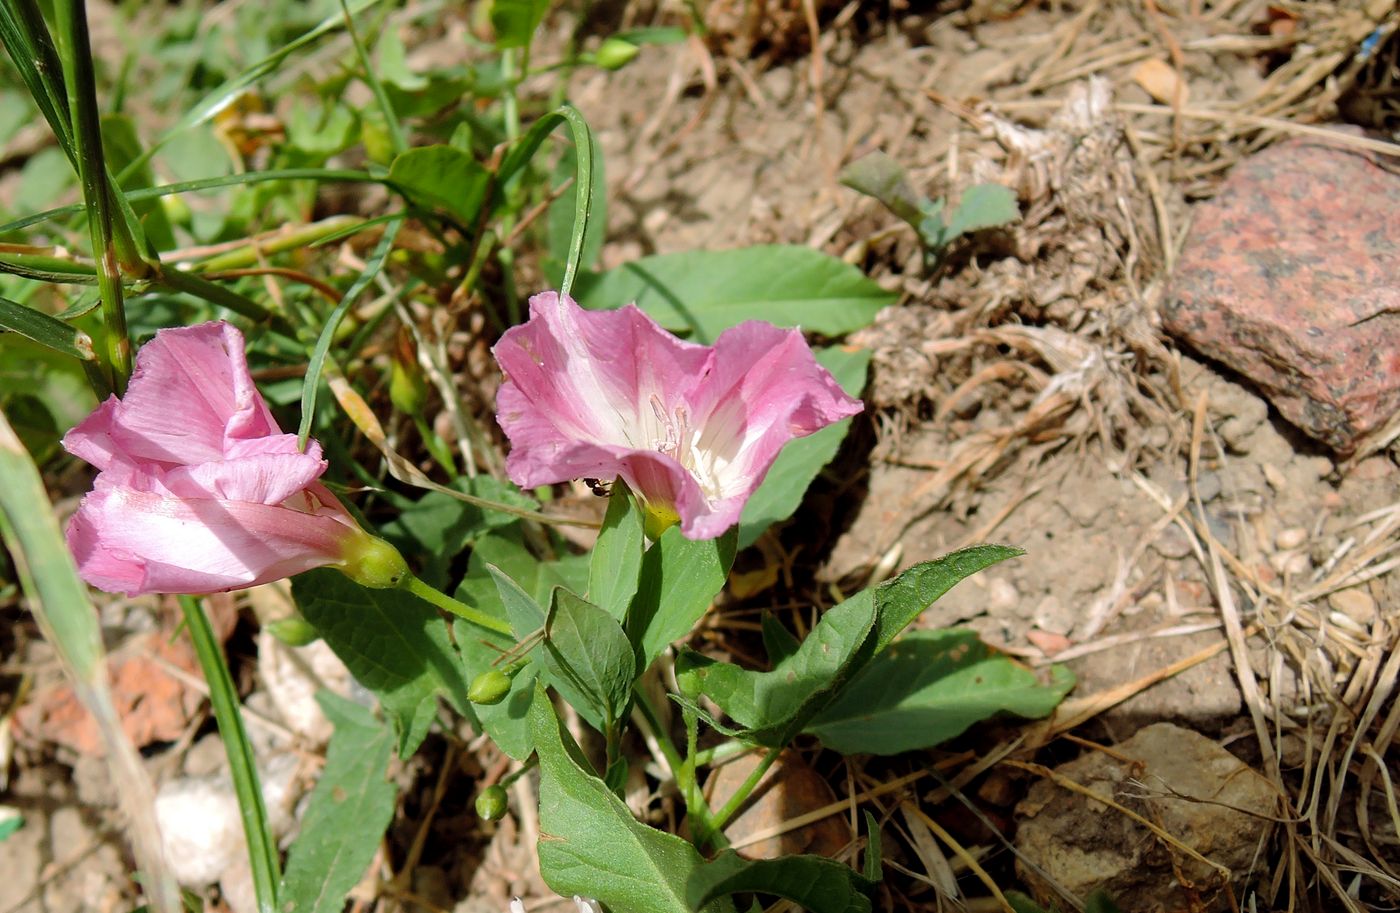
1049 642
1354 603
1291 538
1288 277
1172 543
1275 477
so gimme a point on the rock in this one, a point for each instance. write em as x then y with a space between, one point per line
1288 277
1187 784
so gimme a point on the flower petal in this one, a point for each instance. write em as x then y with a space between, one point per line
597 377
262 479
191 393
766 388
138 542
91 439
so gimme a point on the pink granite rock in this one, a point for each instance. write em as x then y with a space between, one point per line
1291 276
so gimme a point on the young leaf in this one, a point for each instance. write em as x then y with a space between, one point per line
880 176
393 643
443 178
927 688
680 578
818 884
705 292
800 461
350 809
588 648
515 21
983 206
590 843
774 706
616 564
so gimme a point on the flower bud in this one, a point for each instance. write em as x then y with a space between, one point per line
491 803
372 562
374 133
294 631
490 687
408 389
615 53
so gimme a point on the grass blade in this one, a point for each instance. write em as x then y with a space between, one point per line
230 180
60 604
223 697
323 344
584 148
27 40
45 330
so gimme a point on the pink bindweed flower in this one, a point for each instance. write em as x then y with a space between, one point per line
692 429
198 489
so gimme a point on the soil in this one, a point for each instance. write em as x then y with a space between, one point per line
1023 394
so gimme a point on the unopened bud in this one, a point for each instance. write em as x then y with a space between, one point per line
408 389
491 803
372 562
615 53
490 687
294 631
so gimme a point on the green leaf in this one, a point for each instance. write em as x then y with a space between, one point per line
818 884
879 176
526 618
902 599
929 687
564 232
349 811
589 842
123 146
801 460
616 562
394 643
588 647
778 642
515 21
680 578
45 330
774 706
705 292
443 178
10 821
983 206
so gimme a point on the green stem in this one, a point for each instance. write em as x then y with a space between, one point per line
722 752
682 769
741 795
262 848
108 234
455 606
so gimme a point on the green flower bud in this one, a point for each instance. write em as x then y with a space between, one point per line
372 562
615 53
490 687
408 389
294 631
492 803
374 133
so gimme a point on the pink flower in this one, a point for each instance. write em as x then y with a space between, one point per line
199 490
692 429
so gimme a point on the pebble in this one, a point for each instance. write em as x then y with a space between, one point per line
1291 538
1355 603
